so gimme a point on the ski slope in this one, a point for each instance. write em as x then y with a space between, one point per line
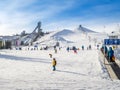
32 70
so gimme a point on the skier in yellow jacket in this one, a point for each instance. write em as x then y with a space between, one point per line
54 62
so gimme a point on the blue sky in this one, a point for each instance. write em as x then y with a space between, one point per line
19 15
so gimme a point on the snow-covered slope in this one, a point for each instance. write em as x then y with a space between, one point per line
70 37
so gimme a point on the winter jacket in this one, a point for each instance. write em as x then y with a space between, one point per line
68 48
110 52
104 49
54 62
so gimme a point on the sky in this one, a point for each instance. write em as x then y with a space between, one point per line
97 15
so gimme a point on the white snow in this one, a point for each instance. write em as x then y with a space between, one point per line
32 70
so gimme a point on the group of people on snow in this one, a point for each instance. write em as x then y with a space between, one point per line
109 53
74 48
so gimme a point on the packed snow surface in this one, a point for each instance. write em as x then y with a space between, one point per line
32 70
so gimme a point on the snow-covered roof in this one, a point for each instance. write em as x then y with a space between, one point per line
8 37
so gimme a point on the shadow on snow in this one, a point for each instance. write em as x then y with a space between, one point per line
71 72
10 57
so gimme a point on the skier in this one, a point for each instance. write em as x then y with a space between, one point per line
90 47
68 49
97 47
55 50
74 49
104 51
60 48
111 54
50 55
54 62
82 47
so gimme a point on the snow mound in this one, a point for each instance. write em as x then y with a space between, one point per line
61 39
64 32
59 36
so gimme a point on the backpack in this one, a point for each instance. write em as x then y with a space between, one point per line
113 58
55 62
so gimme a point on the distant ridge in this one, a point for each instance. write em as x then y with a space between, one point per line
84 30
